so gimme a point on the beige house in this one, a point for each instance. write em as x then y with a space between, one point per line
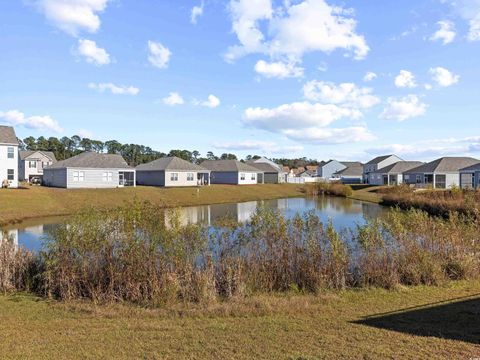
31 164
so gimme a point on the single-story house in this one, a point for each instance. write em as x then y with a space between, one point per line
90 170
470 177
308 174
272 172
443 173
351 174
8 157
171 171
31 164
393 174
231 172
371 168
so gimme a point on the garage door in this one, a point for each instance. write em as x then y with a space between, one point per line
466 181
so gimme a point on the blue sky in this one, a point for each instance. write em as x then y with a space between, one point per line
317 78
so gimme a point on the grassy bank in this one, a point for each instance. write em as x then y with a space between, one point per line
35 201
357 192
418 322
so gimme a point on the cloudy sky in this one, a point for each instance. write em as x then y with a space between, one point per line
317 78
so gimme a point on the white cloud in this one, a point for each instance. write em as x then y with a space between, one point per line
369 76
115 89
444 77
446 32
211 102
294 29
279 69
196 12
345 94
260 146
428 86
405 80
92 53
331 135
159 55
403 108
173 99
470 11
83 133
17 118
73 16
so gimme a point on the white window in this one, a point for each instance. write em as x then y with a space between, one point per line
10 174
189 176
32 164
174 177
254 176
78 176
242 176
11 153
107 177
407 177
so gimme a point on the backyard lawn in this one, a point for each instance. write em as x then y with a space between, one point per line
409 323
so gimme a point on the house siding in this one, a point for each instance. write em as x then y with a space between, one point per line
25 171
232 178
182 179
451 179
9 164
55 178
270 178
327 170
93 178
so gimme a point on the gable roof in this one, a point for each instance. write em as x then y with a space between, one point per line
379 159
264 160
352 169
92 160
7 135
475 167
265 167
170 163
26 153
228 166
400 167
445 164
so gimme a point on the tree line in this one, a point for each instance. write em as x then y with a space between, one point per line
134 154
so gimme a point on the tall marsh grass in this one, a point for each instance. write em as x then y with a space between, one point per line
130 255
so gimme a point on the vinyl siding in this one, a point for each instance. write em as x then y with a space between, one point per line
331 168
25 170
232 177
55 178
6 164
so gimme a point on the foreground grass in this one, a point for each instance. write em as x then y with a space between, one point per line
430 322
36 201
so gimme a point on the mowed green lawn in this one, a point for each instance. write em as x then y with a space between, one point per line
36 201
415 323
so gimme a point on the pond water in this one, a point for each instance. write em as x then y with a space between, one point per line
344 213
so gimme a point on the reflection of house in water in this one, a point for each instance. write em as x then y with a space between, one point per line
373 211
9 235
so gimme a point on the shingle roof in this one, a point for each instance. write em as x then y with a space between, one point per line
26 153
7 135
92 160
445 164
352 169
265 167
475 167
228 165
169 163
379 159
400 167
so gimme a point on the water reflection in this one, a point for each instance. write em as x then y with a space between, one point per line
344 213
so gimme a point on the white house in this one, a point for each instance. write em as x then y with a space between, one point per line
231 172
370 169
8 157
90 170
31 164
272 172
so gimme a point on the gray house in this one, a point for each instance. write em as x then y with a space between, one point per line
394 174
470 177
351 174
443 173
231 172
272 172
326 170
31 164
90 170
370 169
172 171
8 157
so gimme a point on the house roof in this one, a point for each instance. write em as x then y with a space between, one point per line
445 164
26 153
265 167
475 167
7 135
311 173
400 167
92 160
379 159
228 166
170 163
352 169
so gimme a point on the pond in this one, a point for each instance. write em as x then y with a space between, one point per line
344 213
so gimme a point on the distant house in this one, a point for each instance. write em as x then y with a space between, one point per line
311 168
443 173
308 174
31 164
271 173
90 170
172 171
470 177
297 171
351 174
326 170
8 157
231 172
370 169
394 174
